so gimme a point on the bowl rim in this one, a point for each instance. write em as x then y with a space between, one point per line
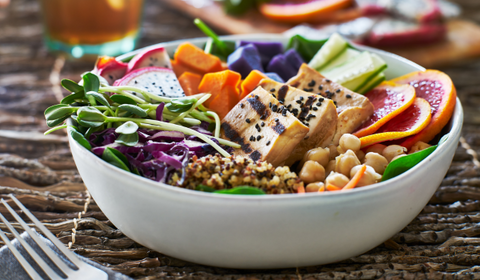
153 186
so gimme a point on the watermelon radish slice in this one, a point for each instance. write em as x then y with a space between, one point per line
388 100
156 57
411 121
110 68
156 80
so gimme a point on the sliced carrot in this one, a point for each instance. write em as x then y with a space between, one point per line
195 58
190 82
409 122
224 87
438 89
322 189
251 82
354 181
388 100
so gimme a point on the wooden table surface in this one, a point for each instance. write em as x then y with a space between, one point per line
441 243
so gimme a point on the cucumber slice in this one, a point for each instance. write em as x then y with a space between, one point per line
332 48
343 57
372 84
360 65
357 83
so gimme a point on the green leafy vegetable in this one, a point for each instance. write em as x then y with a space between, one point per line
127 128
90 117
180 105
134 110
77 136
71 85
305 47
91 82
242 190
222 47
204 188
128 139
116 158
97 97
73 97
121 99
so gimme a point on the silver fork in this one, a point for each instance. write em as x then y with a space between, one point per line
83 271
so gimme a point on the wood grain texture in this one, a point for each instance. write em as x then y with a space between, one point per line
440 243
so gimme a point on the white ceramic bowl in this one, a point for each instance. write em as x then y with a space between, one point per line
271 231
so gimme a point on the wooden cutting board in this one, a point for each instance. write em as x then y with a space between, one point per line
462 41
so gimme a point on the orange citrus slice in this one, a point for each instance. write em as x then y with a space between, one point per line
409 122
301 10
437 88
388 100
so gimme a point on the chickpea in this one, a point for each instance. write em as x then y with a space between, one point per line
314 187
345 162
376 161
311 172
333 151
360 155
330 166
392 151
349 142
337 179
376 148
418 147
369 177
320 155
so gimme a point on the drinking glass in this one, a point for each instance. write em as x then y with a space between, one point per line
98 27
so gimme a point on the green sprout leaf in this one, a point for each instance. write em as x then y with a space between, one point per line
90 117
71 85
69 99
180 105
98 97
55 122
128 139
91 82
127 128
116 158
134 110
242 190
59 112
122 99
77 136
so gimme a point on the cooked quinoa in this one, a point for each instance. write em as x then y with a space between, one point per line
224 173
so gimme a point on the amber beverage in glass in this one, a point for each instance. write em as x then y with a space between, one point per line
99 27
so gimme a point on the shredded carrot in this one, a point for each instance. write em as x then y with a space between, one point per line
301 189
354 181
333 188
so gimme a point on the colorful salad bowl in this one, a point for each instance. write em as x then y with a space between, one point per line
266 231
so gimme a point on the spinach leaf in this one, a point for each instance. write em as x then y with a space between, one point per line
116 158
242 190
305 47
403 164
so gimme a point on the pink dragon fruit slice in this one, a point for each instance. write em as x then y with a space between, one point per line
423 11
395 33
156 80
157 57
110 68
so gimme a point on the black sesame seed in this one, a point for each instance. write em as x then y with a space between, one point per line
348 96
328 81
321 99
277 120
301 97
310 97
256 97
274 107
320 87
262 124
259 137
242 105
247 120
274 96
311 116
319 104
338 90
299 101
272 90
312 83
315 108
289 106
270 105
268 143
252 138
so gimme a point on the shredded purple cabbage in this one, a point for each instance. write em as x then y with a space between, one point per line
158 154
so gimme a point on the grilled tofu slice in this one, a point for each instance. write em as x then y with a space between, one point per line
264 134
316 112
353 109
